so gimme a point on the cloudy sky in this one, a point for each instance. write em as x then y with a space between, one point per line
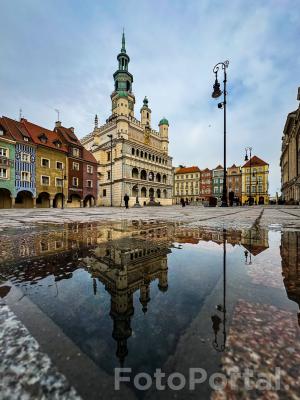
62 54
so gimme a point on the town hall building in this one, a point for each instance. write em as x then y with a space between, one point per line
132 157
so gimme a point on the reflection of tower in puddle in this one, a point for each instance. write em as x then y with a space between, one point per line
125 266
290 261
255 241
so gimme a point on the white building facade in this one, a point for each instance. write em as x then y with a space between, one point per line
133 158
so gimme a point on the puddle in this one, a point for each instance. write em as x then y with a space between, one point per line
156 295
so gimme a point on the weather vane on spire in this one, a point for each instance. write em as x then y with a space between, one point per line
123 50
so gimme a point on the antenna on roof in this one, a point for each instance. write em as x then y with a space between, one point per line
57 113
20 114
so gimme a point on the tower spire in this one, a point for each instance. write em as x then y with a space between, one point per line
123 50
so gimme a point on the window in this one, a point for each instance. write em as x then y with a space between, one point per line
216 190
44 246
25 157
104 192
248 188
45 180
75 152
25 176
89 169
3 173
59 165
75 181
75 166
1 132
108 156
89 184
25 138
108 175
3 152
45 162
59 182
260 188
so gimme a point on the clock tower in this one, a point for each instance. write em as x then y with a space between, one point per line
123 85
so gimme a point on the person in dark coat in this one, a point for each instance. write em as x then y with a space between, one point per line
126 200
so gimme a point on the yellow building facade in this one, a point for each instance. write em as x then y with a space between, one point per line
255 181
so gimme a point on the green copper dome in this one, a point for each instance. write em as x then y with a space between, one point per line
122 94
163 121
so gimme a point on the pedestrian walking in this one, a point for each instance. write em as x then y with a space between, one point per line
126 200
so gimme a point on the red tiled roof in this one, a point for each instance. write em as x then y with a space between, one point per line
16 129
206 170
67 134
88 156
255 161
187 170
36 131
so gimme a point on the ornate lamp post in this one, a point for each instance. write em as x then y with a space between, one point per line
246 159
217 92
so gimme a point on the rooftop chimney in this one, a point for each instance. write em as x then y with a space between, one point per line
72 129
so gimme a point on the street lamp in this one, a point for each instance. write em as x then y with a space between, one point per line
246 159
64 177
217 92
110 136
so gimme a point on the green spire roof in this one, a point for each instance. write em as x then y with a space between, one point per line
145 101
123 50
163 121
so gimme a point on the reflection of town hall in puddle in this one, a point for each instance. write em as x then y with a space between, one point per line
124 267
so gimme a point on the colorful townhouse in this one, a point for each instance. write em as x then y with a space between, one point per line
206 184
24 164
51 166
82 170
234 182
255 181
217 181
186 184
7 166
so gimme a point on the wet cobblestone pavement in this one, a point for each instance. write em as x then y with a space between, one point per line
211 289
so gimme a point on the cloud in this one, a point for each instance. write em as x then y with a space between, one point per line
62 54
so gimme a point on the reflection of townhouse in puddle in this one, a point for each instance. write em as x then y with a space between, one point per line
124 267
290 260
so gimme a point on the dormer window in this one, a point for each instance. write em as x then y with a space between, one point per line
43 138
25 138
1 131
57 143
75 152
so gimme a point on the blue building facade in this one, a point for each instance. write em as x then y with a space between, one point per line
25 158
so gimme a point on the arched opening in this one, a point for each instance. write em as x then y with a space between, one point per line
43 200
5 199
58 200
151 193
135 173
142 154
135 191
137 152
165 193
158 193
146 155
158 177
89 201
143 175
74 201
261 200
24 199
151 176
132 151
144 192
164 179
